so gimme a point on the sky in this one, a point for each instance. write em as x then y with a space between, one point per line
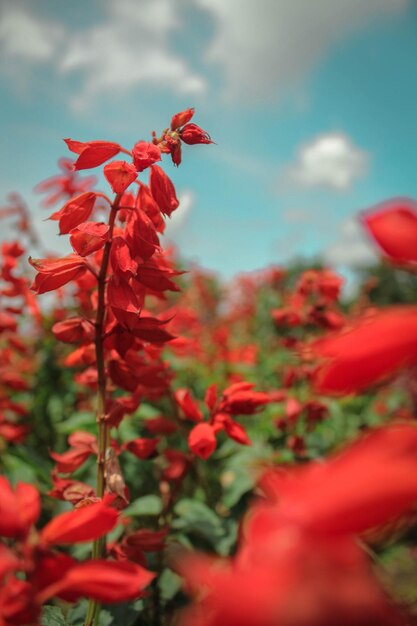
311 104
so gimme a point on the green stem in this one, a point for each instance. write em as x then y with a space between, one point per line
99 545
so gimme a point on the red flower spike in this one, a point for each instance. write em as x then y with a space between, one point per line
202 440
163 190
54 273
193 134
373 348
145 154
92 153
103 581
179 119
120 175
89 237
393 225
86 524
142 448
74 212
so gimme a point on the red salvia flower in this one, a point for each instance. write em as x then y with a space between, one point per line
120 175
85 524
145 154
163 190
54 273
89 237
372 348
74 212
92 153
393 225
179 119
192 134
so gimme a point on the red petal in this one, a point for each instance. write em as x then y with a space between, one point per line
120 175
74 212
95 153
86 524
202 440
372 348
393 225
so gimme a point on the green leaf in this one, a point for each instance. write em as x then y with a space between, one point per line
52 616
76 616
78 421
197 518
169 584
146 505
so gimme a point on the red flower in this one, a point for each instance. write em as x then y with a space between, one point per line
163 190
241 399
82 446
179 119
393 225
74 212
120 175
188 405
85 524
74 330
373 482
141 447
92 153
89 237
192 134
103 581
19 509
202 440
373 347
54 273
145 154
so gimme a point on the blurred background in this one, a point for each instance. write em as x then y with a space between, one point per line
312 106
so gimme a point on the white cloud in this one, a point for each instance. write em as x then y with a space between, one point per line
131 46
298 216
351 248
329 161
180 216
26 38
265 45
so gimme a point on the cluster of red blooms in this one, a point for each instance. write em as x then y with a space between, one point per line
238 399
115 267
313 302
18 310
298 561
378 343
32 570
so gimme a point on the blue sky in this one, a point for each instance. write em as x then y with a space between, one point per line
312 106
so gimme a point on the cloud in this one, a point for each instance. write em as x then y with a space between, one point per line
131 46
180 216
26 38
351 248
298 216
264 46
329 161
